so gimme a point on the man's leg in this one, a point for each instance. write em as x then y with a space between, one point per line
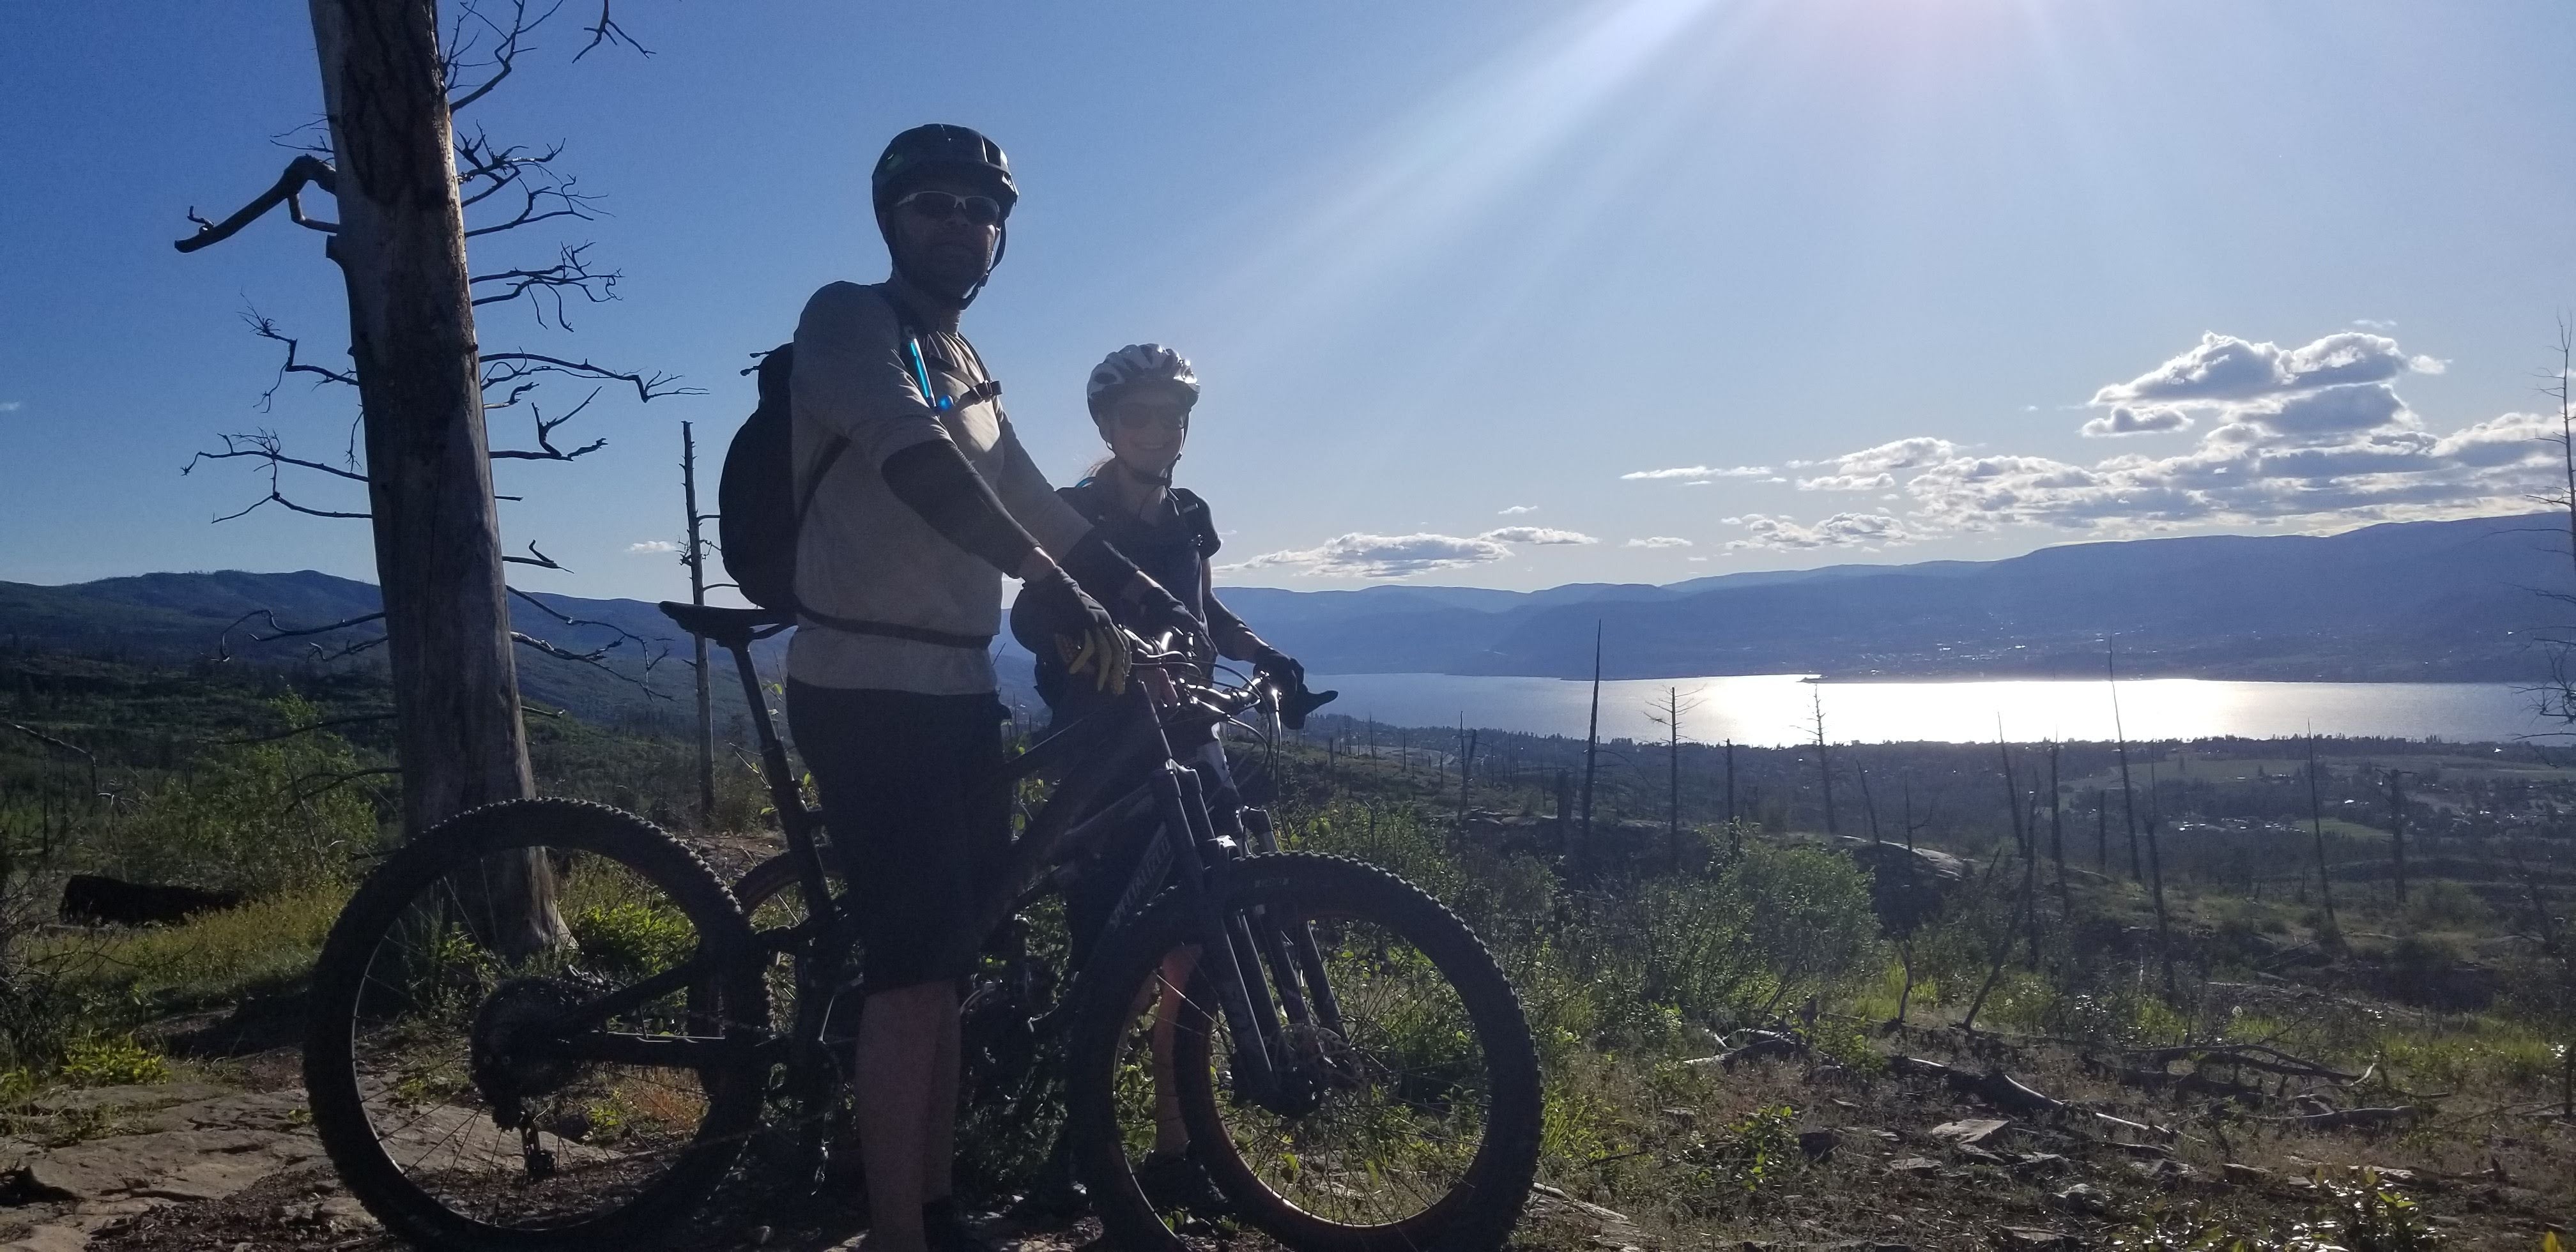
939 1108
900 1036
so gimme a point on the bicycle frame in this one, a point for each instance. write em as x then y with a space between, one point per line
1108 749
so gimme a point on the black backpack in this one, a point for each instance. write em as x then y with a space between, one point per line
758 501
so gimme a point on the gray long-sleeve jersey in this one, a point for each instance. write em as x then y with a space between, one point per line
865 555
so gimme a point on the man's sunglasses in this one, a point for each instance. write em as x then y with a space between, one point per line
940 205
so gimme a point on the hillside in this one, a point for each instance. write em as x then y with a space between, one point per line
2420 601
2416 601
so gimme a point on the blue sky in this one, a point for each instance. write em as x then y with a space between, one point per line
1713 285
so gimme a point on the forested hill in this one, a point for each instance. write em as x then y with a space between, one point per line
2435 601
642 657
2429 601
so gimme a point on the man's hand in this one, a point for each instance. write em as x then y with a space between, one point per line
1279 670
1159 610
1087 639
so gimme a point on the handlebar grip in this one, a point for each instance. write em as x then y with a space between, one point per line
1295 705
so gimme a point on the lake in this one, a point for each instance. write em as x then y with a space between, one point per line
1777 709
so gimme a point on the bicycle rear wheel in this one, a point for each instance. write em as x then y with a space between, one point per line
1423 1127
430 1059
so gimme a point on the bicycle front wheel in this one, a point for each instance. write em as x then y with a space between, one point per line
445 1058
1421 1126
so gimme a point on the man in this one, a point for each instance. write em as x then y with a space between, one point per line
921 499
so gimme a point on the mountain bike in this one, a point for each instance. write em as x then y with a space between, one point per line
547 1024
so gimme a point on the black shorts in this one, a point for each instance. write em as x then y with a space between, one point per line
917 822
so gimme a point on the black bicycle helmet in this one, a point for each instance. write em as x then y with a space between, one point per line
940 149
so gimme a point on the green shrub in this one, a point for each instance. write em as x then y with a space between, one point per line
111 1061
256 818
633 939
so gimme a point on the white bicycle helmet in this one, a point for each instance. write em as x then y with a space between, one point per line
1139 365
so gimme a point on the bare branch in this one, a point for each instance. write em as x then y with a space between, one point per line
223 642
299 172
597 656
539 286
535 558
266 329
537 204
512 42
507 367
609 32
547 450
265 446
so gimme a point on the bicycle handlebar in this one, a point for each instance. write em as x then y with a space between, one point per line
1164 652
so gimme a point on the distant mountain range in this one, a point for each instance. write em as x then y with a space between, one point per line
2417 601
2412 601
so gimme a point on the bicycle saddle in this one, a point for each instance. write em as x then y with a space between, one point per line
725 627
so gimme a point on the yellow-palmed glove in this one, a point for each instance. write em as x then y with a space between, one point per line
1087 639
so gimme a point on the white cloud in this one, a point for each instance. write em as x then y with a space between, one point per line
2224 368
2316 433
1394 556
1848 482
11 406
1379 556
1871 469
1518 509
1659 541
1544 536
653 545
2125 420
1697 473
1842 530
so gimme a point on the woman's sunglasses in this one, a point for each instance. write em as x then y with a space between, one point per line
941 205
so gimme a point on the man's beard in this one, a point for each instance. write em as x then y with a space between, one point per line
947 275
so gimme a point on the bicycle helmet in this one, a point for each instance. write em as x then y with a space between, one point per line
940 149
1139 365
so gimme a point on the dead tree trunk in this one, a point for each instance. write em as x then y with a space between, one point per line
2317 824
2057 838
1673 775
697 562
1591 746
2397 830
1824 758
401 249
2156 868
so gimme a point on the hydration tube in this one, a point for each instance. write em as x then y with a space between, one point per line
921 372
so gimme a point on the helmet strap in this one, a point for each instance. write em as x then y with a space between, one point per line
1001 245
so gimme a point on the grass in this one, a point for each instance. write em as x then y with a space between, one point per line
212 958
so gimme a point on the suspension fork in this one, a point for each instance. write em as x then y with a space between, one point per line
1225 948
1300 936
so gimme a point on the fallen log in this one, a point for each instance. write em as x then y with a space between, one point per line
2005 1091
2250 1056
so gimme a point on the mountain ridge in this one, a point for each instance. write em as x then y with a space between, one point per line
2419 601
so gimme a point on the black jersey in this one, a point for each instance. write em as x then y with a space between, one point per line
1170 543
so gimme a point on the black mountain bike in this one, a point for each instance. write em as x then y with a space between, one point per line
547 1024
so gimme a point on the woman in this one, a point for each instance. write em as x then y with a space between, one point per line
1140 399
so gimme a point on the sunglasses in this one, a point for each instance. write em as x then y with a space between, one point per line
1166 419
941 205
